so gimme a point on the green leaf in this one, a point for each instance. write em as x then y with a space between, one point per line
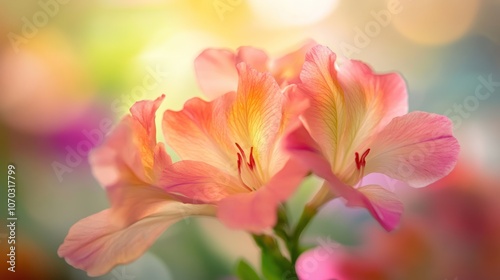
270 267
246 272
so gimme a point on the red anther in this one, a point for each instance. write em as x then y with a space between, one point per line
361 162
252 160
363 157
242 157
356 159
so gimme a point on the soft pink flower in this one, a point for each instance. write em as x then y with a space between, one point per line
216 68
357 125
232 153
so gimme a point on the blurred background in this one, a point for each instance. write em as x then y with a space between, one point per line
68 67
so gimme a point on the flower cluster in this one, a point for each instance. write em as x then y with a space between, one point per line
267 125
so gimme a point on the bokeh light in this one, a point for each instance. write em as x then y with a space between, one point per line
292 13
436 22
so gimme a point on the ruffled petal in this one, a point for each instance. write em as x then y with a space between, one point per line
130 152
418 148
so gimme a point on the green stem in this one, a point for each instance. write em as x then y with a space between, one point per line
294 244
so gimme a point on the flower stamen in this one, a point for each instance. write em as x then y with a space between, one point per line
250 164
360 164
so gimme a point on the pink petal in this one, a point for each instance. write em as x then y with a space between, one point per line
96 244
253 211
133 201
253 57
216 72
383 96
382 204
417 148
256 211
216 68
325 119
284 183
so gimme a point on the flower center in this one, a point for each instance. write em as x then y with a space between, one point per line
247 169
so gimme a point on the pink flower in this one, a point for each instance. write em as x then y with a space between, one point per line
216 68
357 125
129 165
233 167
399 255
231 150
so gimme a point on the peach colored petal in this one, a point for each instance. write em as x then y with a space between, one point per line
199 132
255 115
418 148
96 244
216 68
250 117
129 153
133 201
144 113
